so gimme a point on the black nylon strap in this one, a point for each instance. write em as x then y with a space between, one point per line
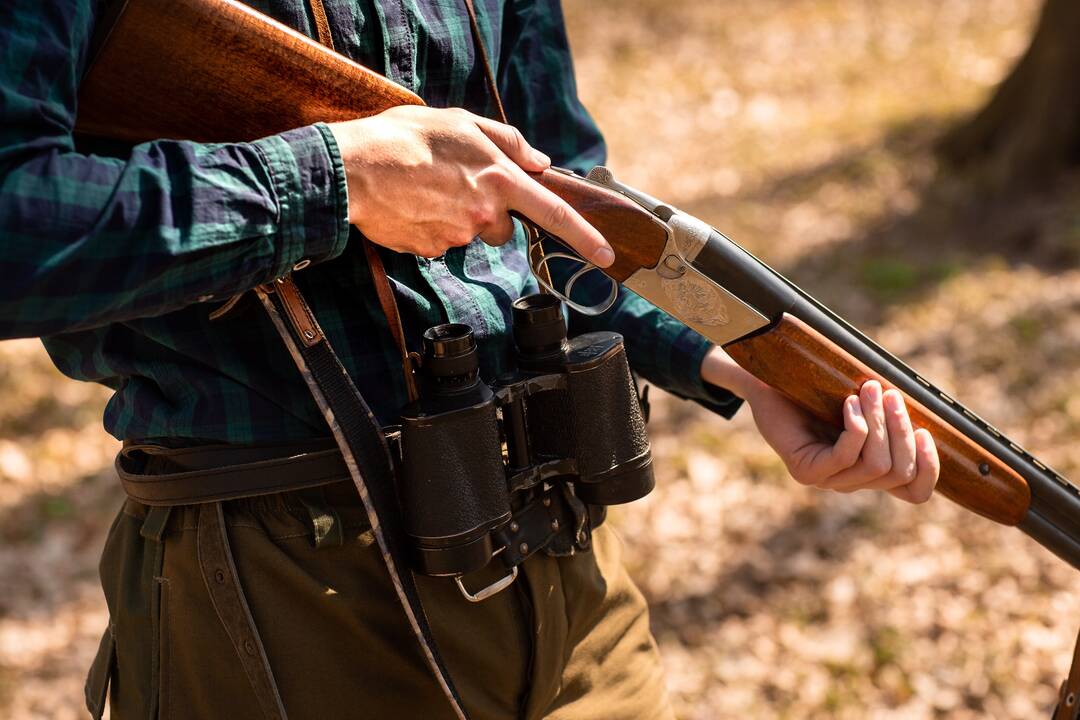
368 459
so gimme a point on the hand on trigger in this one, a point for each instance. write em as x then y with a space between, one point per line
423 180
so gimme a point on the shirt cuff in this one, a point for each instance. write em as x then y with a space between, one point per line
308 176
686 357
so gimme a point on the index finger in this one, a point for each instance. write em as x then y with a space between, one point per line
556 216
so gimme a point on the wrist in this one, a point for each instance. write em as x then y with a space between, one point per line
350 138
717 368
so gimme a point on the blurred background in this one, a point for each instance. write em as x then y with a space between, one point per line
912 165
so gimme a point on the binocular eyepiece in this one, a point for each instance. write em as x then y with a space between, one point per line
451 363
570 413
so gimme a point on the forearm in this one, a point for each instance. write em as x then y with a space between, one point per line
86 240
718 369
90 240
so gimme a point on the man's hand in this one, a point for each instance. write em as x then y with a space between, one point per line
423 180
877 450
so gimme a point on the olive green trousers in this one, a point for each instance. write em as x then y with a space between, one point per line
569 640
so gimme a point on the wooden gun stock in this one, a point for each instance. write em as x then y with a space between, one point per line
219 71
818 375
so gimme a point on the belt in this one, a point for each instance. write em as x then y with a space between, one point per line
545 519
155 474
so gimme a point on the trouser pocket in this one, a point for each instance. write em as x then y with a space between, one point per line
127 664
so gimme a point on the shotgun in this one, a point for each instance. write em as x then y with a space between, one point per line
219 71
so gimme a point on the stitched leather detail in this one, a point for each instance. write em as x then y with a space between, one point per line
393 317
299 313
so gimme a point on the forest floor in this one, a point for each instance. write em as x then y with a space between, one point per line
804 130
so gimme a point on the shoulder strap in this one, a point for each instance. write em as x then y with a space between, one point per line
375 264
489 71
367 455
535 241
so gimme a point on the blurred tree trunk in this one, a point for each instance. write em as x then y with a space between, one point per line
1030 129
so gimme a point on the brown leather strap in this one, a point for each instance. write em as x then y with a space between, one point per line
393 317
299 313
383 290
535 243
489 71
159 476
1068 707
322 25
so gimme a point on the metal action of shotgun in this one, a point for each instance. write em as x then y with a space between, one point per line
735 300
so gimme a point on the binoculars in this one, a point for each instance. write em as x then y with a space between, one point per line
569 413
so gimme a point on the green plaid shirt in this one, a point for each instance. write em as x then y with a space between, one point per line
115 257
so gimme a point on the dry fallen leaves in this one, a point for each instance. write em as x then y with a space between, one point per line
777 121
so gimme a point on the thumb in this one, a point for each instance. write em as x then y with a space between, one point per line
510 140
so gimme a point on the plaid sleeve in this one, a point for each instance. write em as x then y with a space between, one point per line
537 79
88 240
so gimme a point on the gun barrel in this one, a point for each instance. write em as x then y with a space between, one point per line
1051 515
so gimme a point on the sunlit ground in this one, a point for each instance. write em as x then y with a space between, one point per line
802 129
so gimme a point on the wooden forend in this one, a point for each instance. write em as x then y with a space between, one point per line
818 375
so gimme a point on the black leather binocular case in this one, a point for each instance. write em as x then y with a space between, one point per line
569 413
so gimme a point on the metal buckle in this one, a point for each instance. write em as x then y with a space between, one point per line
493 589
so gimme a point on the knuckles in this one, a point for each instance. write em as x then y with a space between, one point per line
499 180
558 218
481 216
879 467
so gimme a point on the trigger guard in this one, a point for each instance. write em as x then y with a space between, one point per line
586 267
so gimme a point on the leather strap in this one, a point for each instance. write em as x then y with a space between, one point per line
1068 706
383 290
322 24
489 72
368 459
299 313
409 361
212 473
536 236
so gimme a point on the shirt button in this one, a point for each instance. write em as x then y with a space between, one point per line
301 265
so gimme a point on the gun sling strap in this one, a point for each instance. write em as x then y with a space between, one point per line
362 443
352 423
